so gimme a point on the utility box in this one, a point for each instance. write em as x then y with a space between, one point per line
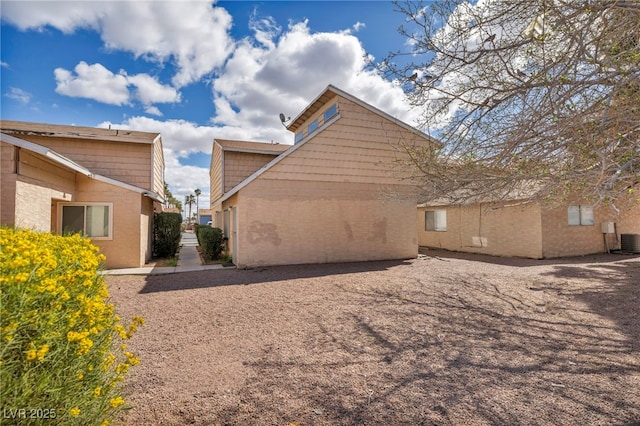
608 228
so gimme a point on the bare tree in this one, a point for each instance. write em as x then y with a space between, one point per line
532 96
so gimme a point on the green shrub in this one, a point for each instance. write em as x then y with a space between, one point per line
211 241
197 226
62 351
166 234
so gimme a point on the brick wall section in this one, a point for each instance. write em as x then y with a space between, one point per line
560 239
500 229
318 222
524 231
38 182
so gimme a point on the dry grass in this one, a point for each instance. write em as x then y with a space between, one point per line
444 339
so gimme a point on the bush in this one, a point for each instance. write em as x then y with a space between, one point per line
166 234
62 356
211 241
196 227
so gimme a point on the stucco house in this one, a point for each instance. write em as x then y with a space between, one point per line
332 196
523 228
101 182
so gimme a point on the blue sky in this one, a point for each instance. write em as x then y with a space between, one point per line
191 70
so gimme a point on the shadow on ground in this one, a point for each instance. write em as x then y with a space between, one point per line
260 275
434 341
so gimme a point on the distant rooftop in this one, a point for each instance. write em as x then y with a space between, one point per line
18 128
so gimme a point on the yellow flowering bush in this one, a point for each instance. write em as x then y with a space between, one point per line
61 343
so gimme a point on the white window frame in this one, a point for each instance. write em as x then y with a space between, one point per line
109 235
439 220
580 215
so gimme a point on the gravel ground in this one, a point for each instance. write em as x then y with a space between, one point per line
443 339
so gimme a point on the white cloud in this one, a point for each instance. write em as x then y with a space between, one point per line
98 83
92 82
284 75
4 64
193 34
19 95
153 111
150 91
265 29
358 26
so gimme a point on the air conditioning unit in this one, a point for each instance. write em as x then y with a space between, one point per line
630 243
608 228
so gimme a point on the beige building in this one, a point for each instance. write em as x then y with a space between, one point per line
525 229
333 196
101 182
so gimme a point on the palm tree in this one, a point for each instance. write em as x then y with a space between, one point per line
197 192
189 200
167 194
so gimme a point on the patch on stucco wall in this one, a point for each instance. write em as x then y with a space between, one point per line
379 233
259 232
479 242
348 231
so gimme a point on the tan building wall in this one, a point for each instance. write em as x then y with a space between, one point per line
525 230
562 239
28 195
317 222
129 156
240 165
336 198
157 183
215 174
8 179
126 162
128 247
34 187
360 147
497 229
234 161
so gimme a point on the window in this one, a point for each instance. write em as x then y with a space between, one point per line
312 126
580 215
435 220
91 220
333 110
299 137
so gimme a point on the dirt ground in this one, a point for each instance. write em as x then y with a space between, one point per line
444 339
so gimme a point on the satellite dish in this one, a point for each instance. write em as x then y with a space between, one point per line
284 119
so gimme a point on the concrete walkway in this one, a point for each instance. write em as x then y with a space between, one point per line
188 261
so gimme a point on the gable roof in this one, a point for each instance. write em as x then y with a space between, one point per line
18 128
70 164
329 93
251 147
